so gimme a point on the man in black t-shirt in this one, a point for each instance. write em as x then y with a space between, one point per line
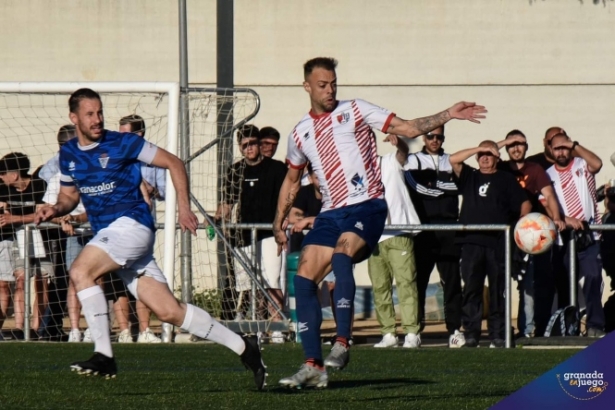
306 207
252 185
489 197
19 198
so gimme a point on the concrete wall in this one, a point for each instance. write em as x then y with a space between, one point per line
534 64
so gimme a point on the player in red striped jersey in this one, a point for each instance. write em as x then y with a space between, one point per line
337 138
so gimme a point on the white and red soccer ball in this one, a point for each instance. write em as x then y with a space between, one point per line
535 233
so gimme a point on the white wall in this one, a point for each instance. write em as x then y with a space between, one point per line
534 64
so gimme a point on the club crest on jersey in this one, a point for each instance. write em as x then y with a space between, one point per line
343 117
71 166
357 181
104 160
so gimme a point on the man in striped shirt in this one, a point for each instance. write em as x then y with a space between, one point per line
575 186
336 137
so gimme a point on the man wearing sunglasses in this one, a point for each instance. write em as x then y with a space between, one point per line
429 175
253 183
489 197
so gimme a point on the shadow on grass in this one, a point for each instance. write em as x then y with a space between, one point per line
377 384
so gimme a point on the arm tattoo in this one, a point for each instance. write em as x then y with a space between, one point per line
426 124
279 216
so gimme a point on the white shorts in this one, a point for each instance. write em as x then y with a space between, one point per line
269 266
131 245
42 267
7 267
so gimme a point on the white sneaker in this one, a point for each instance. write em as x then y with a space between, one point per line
277 337
456 340
412 341
388 340
74 336
87 336
125 336
307 376
147 336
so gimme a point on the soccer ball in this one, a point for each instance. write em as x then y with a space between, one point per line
535 233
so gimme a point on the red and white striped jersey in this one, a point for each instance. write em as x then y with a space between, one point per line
341 147
575 188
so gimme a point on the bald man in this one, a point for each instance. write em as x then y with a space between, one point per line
490 196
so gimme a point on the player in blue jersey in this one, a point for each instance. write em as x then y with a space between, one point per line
103 169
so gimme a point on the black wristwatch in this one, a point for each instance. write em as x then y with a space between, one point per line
574 144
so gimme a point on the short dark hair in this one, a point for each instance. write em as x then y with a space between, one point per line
327 63
81 94
65 133
136 123
15 162
248 131
515 132
269 132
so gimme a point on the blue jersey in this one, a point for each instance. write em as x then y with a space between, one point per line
107 175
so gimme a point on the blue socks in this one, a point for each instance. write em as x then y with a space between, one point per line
343 295
309 316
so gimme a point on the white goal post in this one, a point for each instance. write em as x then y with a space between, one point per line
169 88
32 114
17 123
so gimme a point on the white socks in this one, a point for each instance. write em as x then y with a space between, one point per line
200 323
96 312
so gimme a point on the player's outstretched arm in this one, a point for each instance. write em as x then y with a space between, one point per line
186 218
286 198
413 128
68 199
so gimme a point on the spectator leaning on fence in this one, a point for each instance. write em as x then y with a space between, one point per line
535 181
393 257
575 186
153 186
489 197
544 283
434 193
253 183
24 193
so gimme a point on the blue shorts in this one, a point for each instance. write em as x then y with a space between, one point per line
366 219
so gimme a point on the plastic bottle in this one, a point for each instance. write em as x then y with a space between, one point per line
211 232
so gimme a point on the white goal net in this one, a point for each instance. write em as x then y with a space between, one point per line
31 114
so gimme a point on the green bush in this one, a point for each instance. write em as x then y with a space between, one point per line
209 300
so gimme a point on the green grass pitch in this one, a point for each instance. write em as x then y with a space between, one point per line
203 376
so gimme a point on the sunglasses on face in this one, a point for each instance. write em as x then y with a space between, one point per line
439 137
248 144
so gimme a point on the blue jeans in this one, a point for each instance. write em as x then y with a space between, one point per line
525 317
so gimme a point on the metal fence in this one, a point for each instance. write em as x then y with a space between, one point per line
254 325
